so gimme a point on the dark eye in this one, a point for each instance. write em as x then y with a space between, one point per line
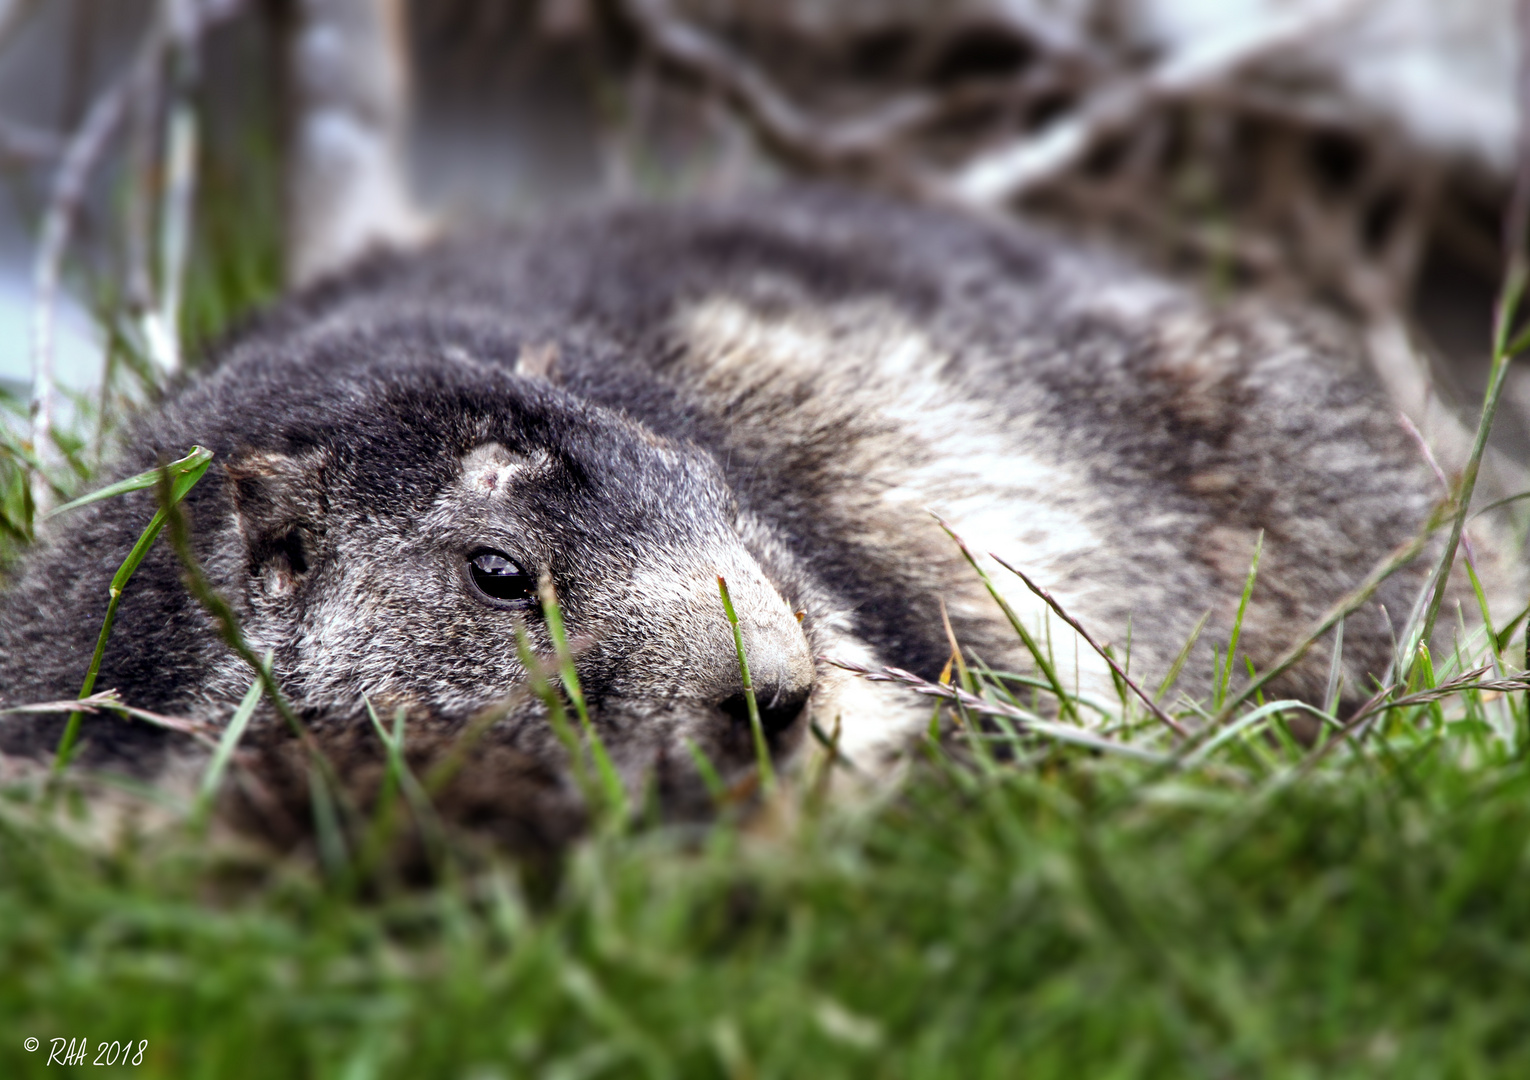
499 579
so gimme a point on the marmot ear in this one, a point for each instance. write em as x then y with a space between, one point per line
279 509
539 360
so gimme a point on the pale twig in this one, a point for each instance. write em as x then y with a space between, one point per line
161 325
1046 598
201 731
348 100
142 139
1467 680
104 699
111 701
1052 35
181 22
823 143
1378 704
1439 474
1029 721
995 177
1517 220
780 122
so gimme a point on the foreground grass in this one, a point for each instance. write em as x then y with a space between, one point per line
1066 916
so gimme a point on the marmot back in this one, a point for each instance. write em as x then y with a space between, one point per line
782 392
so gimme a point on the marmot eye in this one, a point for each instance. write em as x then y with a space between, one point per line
499 579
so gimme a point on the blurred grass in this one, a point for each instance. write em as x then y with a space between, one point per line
235 263
1066 917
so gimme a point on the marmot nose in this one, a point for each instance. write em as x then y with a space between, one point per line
779 706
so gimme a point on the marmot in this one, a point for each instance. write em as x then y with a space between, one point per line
781 391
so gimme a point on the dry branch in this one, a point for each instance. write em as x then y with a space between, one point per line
877 134
161 324
178 35
82 154
139 165
782 125
1029 722
995 178
347 189
111 701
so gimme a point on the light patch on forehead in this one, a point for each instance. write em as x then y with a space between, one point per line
491 468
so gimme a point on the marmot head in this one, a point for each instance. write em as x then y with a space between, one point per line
391 551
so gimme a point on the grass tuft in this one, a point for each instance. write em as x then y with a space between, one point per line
756 728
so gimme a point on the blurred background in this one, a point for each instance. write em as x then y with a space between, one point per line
167 164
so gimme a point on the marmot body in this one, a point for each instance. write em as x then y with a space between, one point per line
782 392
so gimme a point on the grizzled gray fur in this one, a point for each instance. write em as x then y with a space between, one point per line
779 391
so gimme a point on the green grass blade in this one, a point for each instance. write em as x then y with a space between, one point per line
1335 671
756 728
1237 630
1496 503
1081 634
1242 724
1487 616
557 717
1518 345
1184 654
615 792
197 460
326 821
329 795
716 789
382 812
1504 635
399 778
1424 668
212 778
13 446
